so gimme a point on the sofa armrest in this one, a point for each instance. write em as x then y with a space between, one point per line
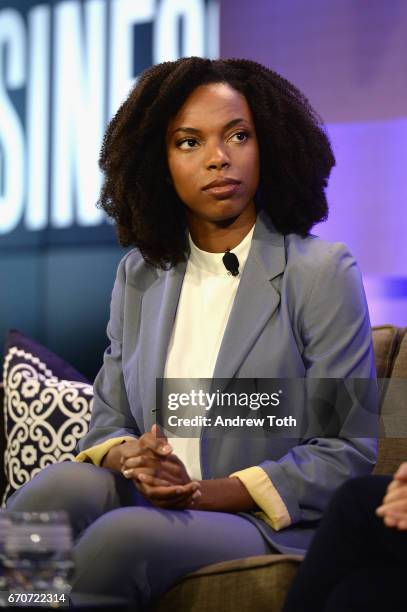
253 583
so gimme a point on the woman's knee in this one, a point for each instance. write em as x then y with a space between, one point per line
83 490
129 552
122 532
51 487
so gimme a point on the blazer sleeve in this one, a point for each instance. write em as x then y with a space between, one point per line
336 334
112 421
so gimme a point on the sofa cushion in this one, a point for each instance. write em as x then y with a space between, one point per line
393 444
385 342
254 583
47 406
399 369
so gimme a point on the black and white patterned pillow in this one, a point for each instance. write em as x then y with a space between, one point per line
47 408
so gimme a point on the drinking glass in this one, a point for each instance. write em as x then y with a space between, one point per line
38 553
5 523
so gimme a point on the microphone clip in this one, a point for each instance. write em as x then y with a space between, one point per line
231 263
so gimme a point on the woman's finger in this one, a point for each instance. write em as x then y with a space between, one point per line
155 472
397 493
153 481
146 444
390 521
398 516
134 473
184 504
401 473
394 519
395 484
144 460
180 502
176 500
399 506
168 492
152 461
158 446
139 451
159 433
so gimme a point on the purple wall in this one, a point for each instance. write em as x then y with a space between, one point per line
350 60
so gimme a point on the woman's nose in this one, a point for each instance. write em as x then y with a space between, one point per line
218 158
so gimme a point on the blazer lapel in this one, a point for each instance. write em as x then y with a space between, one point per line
256 298
158 315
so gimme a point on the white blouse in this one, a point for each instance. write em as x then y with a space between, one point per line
204 306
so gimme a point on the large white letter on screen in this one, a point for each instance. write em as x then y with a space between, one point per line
36 214
212 29
12 76
78 112
166 28
125 13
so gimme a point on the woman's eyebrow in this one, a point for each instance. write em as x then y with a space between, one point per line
228 125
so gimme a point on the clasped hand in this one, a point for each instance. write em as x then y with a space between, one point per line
157 472
393 510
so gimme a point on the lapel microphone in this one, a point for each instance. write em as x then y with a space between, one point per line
231 263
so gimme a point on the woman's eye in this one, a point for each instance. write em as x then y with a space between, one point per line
240 136
187 143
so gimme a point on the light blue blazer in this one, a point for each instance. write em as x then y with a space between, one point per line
299 311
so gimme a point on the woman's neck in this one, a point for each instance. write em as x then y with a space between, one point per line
217 237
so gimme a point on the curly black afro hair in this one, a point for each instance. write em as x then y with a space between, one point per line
295 154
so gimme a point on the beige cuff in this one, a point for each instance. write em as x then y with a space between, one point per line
263 492
95 454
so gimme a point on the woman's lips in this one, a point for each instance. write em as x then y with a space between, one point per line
224 191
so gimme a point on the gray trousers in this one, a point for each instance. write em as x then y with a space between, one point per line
126 547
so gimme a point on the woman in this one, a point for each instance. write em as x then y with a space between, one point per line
358 558
206 157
